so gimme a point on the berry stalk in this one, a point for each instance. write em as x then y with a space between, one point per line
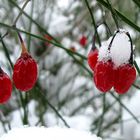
132 52
24 50
109 47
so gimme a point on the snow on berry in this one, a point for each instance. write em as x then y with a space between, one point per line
25 72
103 52
114 67
120 50
52 133
5 87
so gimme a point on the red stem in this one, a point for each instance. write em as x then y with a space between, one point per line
24 50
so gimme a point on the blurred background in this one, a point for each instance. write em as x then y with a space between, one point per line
65 94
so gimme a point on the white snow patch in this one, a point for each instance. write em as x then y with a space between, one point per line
131 129
121 49
63 3
98 14
53 133
137 59
131 31
101 30
103 52
122 31
137 132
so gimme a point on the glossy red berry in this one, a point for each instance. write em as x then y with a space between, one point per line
92 58
124 77
104 75
25 72
5 87
83 41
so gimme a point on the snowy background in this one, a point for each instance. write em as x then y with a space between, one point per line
65 94
53 133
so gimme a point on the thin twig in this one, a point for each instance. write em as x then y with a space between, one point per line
30 26
93 21
21 11
120 15
43 39
70 53
113 14
137 67
135 118
84 104
6 51
102 116
108 107
52 107
25 120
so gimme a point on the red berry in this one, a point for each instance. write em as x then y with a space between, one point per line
73 49
25 72
125 76
5 86
83 41
48 38
92 58
104 75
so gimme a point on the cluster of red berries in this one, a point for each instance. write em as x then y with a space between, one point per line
107 75
24 75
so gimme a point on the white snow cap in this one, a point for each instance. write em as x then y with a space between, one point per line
103 51
120 50
53 133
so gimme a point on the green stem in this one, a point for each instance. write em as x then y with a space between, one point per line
137 67
59 45
108 107
43 39
51 106
30 27
137 2
25 116
21 11
93 21
102 116
38 25
129 119
125 19
81 64
121 122
84 104
113 14
6 52
135 118
136 86
24 105
70 53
